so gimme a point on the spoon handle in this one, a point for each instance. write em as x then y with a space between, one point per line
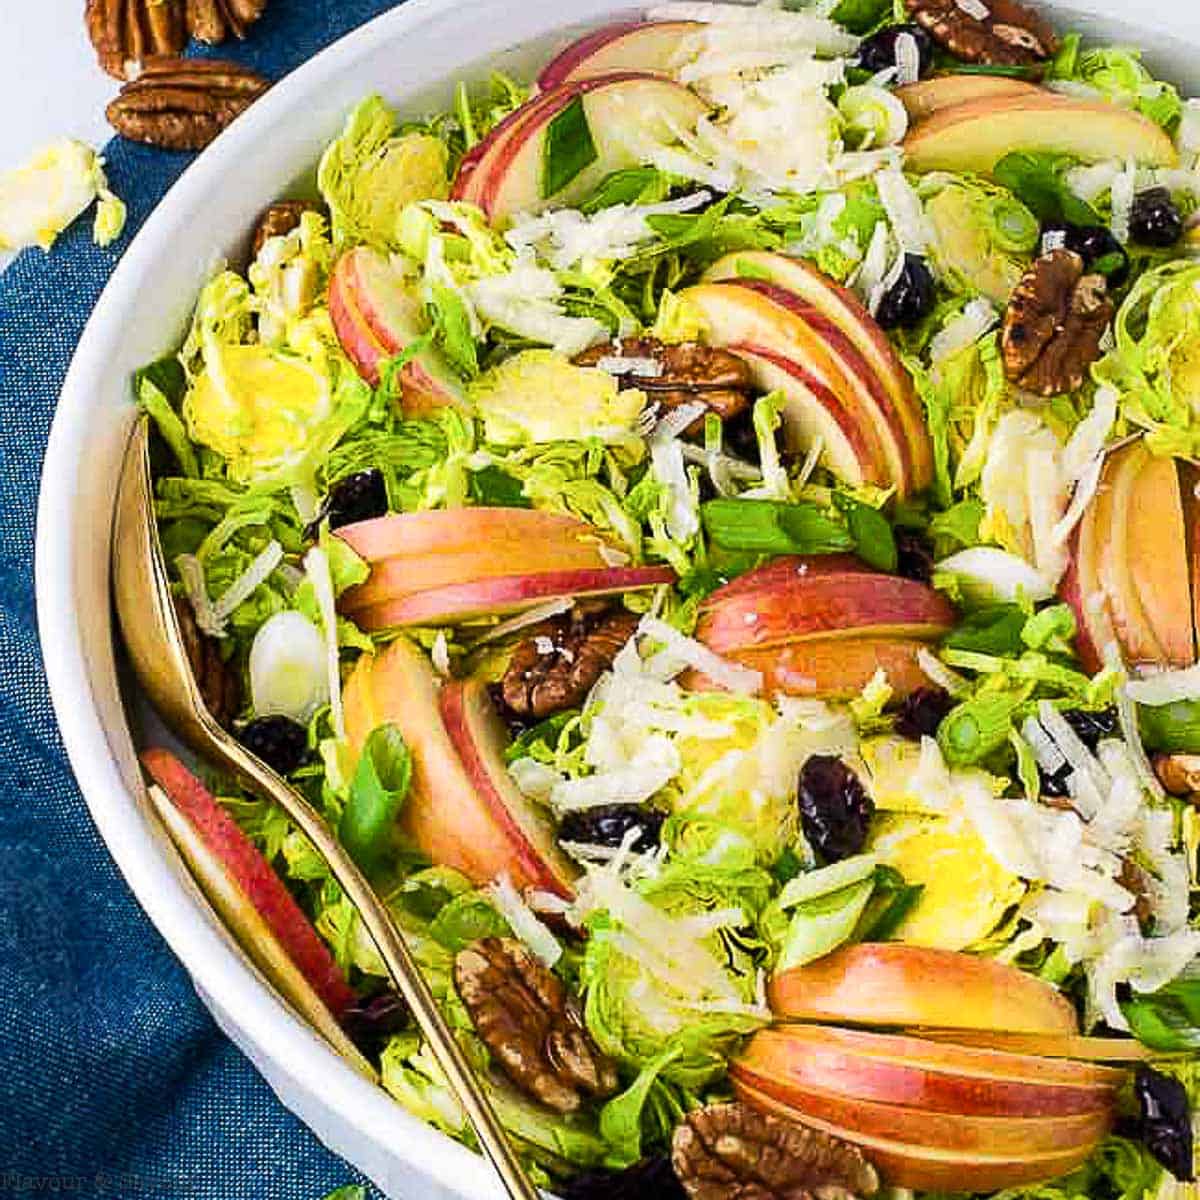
398 959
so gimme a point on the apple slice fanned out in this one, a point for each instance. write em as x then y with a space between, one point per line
252 901
564 142
928 96
461 810
649 46
376 315
975 136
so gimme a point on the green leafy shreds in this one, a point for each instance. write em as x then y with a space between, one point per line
1118 74
773 527
1038 179
569 147
377 793
452 330
633 185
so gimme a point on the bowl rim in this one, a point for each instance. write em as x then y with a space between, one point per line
217 968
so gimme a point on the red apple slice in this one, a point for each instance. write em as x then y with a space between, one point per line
1046 1045
843 308
510 594
479 736
248 894
924 1168
879 606
483 832
647 46
812 413
884 983
620 109
459 530
787 568
375 316
924 98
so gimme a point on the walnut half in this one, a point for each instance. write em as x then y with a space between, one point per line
524 1016
991 32
734 1152
1054 325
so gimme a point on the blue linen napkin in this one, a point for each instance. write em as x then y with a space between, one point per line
114 1082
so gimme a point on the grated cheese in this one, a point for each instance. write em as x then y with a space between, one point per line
976 320
1123 191
1166 687
643 368
524 921
903 207
908 59
681 651
974 8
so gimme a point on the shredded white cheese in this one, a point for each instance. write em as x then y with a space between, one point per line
524 921
976 320
908 59
1124 189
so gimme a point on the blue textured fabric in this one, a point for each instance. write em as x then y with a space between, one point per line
114 1081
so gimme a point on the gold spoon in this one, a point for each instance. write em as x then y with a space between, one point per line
152 637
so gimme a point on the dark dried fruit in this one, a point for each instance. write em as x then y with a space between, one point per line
688 373
835 810
358 497
370 1023
1155 219
734 1152
278 741
127 32
1098 248
914 555
525 1017
911 298
653 1179
183 105
278 220
1165 1121
218 683
212 21
922 712
1009 34
1054 325
559 660
608 824
878 52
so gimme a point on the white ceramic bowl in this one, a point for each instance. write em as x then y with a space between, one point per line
411 55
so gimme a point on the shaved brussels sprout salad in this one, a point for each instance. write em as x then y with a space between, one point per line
714 529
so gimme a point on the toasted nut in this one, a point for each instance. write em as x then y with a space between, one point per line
218 683
734 1152
686 373
1178 773
1054 324
279 219
554 667
212 21
1009 35
526 1019
127 32
183 104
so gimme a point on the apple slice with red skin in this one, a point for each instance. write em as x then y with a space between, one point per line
509 594
923 1168
815 606
1079 589
376 315
828 668
482 831
247 893
763 315
457 530
613 105
394 578
928 96
651 46
843 308
787 568
812 411
889 983
1045 1045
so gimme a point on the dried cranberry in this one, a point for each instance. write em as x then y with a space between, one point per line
835 809
1098 248
878 52
910 298
914 555
653 1177
278 741
739 438
371 1022
1155 219
1165 1120
357 497
922 712
1092 727
608 824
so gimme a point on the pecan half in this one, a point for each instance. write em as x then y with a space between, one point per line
183 104
557 663
278 220
1139 884
1178 773
526 1019
212 21
1009 35
1054 324
734 1152
685 373
218 683
127 32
